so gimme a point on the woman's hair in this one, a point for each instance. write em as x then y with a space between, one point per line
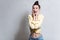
36 3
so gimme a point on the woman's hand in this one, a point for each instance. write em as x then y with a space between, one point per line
35 16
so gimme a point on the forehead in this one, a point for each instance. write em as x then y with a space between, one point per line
35 6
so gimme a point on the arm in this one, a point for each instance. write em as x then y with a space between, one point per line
35 24
30 22
39 23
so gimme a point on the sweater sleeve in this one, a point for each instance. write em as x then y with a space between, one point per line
39 22
30 22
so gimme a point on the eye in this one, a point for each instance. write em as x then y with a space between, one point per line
33 7
36 8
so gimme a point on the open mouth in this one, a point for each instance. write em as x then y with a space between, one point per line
35 11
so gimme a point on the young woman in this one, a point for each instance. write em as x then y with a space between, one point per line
35 22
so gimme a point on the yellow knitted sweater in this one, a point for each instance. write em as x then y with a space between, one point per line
35 24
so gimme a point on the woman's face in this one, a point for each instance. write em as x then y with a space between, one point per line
35 9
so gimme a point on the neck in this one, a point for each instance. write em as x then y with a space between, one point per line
37 13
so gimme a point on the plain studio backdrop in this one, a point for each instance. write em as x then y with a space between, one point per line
14 22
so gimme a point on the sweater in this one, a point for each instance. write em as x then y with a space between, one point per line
35 26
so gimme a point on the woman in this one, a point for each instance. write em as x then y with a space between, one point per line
35 22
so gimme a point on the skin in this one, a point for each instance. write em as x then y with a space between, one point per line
35 13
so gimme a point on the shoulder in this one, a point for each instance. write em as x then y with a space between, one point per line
41 15
29 16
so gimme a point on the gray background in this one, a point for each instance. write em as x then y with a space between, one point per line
14 23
